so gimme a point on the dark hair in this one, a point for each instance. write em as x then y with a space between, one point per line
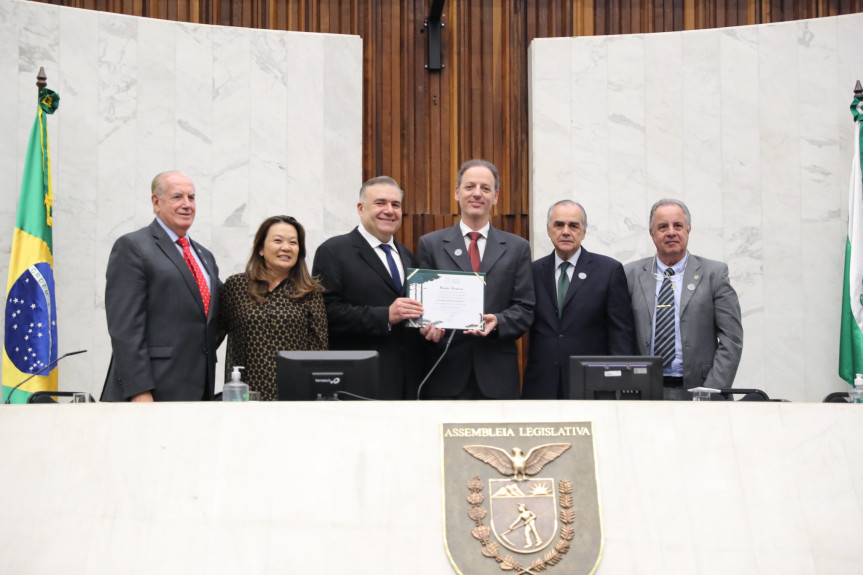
473 164
301 281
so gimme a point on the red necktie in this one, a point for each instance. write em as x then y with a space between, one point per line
473 250
196 273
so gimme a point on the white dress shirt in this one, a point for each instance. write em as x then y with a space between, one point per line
376 243
480 243
174 237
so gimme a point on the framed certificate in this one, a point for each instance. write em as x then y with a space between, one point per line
451 300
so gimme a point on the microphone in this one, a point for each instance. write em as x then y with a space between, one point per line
50 363
434 367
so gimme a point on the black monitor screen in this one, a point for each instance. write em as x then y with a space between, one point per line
313 375
615 377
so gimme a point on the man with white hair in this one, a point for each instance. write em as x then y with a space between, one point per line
161 302
582 306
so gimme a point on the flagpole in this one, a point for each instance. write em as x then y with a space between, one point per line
42 80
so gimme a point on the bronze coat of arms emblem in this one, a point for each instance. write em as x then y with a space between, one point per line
521 498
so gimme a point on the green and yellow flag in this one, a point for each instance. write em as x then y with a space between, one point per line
31 311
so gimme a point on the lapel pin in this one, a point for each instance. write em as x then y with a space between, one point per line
691 287
457 252
695 277
582 275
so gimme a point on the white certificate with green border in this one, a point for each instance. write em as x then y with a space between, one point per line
451 300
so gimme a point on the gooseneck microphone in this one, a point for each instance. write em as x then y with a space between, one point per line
428 375
48 365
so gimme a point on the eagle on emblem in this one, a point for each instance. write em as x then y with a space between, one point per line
518 464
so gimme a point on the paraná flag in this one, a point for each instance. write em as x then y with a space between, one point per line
851 336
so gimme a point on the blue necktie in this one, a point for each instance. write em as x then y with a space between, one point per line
663 338
394 270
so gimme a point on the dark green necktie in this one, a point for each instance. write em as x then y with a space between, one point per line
562 286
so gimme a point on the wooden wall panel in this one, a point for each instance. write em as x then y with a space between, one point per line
419 125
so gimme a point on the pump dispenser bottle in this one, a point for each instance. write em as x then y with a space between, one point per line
235 390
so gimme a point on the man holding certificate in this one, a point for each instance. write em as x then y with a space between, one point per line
363 275
480 363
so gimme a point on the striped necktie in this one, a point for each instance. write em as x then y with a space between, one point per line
663 338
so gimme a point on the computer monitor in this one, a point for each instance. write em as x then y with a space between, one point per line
615 377
322 375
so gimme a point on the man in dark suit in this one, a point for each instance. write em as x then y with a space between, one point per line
161 301
483 363
701 337
582 306
363 277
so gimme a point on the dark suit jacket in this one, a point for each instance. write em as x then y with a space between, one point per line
358 290
710 324
161 339
508 294
597 320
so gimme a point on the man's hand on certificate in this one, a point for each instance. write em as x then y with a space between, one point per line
405 308
432 333
490 321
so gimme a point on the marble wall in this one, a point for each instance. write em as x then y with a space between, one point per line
264 123
750 126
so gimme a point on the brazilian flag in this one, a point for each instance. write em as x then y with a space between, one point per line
31 309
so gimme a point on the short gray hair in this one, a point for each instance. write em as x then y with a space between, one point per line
567 203
380 180
670 202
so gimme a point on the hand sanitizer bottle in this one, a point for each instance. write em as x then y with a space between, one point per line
235 390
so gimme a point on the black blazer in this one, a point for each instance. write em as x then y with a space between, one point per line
597 320
358 290
160 337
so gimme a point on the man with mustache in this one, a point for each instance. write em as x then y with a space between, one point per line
684 307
